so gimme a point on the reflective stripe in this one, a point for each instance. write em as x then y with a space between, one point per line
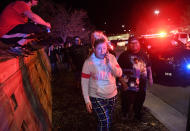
15 35
83 75
117 66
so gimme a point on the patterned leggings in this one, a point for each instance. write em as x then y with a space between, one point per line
103 109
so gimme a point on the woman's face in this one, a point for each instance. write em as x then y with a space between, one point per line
100 50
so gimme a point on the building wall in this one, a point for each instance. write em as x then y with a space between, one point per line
25 93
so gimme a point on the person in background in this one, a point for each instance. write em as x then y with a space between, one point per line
53 59
98 81
136 69
67 60
79 53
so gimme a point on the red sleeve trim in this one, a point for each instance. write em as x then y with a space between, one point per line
117 66
83 75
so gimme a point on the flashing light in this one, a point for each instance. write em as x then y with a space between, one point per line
163 34
156 12
149 46
188 66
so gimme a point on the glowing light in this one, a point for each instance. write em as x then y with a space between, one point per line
156 12
163 34
188 66
149 46
121 43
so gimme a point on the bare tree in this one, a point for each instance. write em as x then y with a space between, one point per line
65 23
72 24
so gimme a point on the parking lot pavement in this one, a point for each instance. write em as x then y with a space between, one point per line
167 115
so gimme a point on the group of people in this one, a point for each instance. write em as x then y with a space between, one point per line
96 73
98 80
71 55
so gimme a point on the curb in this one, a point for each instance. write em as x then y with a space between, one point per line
167 115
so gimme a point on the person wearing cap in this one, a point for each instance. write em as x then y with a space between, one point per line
136 69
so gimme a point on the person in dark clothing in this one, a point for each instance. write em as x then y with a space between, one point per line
79 53
67 59
136 71
53 59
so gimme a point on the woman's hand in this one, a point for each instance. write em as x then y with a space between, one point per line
89 107
107 56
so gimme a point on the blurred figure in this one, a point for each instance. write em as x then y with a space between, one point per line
136 71
53 59
67 55
60 49
79 53
77 41
14 26
98 81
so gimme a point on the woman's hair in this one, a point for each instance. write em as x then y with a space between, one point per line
98 37
98 41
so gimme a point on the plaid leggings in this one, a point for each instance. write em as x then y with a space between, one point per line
103 109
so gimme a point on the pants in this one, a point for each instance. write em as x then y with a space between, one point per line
129 98
20 32
103 109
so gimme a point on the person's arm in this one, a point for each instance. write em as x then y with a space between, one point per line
58 59
123 83
114 66
149 73
49 51
85 76
37 19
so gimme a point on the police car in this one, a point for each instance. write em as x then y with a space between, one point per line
170 60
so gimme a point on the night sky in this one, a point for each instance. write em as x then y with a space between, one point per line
132 13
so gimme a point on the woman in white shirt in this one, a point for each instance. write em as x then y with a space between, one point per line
98 81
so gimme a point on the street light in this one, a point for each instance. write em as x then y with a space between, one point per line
156 12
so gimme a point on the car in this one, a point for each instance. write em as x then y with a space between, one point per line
170 60
183 37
